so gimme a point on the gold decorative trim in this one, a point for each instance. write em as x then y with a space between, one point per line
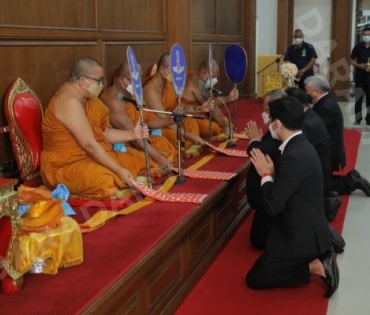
23 152
9 208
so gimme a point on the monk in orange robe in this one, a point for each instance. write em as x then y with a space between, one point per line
78 137
196 97
159 95
124 115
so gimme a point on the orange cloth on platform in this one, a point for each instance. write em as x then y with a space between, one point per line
64 161
170 103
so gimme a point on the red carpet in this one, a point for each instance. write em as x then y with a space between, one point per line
222 289
115 248
112 250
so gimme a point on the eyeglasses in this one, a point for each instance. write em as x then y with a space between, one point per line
99 81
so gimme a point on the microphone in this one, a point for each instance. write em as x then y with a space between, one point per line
217 92
186 115
125 98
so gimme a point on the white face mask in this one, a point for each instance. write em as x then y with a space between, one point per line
130 89
366 38
210 83
265 118
297 41
273 133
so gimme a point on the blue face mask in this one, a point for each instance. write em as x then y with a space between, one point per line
366 38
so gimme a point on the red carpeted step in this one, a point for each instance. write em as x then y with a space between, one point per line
222 289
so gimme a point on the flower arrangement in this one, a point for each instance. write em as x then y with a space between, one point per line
288 70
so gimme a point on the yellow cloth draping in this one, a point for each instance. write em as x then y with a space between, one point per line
59 247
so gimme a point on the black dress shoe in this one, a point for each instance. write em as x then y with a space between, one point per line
359 182
331 205
331 272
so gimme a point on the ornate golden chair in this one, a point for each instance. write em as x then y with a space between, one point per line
24 114
11 280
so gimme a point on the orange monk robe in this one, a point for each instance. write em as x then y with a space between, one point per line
64 161
203 124
170 103
162 144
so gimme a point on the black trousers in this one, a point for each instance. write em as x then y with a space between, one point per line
272 272
260 229
362 88
342 184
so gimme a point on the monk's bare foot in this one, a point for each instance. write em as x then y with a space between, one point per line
220 138
193 151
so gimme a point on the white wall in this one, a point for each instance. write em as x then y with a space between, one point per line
314 18
266 27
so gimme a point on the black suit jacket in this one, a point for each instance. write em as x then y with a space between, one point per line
316 133
269 146
295 200
329 111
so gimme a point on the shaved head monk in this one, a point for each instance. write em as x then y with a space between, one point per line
159 94
78 138
124 115
197 97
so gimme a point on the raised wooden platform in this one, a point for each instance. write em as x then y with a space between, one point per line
165 275
146 262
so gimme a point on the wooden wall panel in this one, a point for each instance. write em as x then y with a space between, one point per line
234 23
61 14
44 66
115 54
40 39
203 16
230 22
133 15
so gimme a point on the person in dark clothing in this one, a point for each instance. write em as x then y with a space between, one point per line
328 109
360 59
303 55
298 243
268 145
316 133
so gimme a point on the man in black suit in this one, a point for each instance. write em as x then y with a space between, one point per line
298 244
268 145
327 108
315 131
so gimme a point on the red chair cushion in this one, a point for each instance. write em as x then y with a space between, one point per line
24 114
28 114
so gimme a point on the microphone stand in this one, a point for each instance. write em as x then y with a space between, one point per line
231 142
277 61
177 117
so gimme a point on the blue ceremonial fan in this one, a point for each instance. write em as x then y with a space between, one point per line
236 63
178 69
135 77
